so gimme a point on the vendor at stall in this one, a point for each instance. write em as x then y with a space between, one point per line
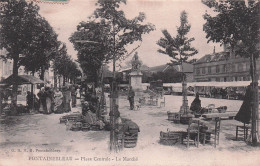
196 104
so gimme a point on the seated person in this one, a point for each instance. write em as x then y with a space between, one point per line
195 106
92 119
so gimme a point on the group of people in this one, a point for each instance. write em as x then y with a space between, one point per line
53 100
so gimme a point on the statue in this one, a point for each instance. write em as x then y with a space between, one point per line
136 63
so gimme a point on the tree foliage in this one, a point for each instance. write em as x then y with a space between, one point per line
20 27
108 33
92 51
43 47
24 32
64 65
236 23
178 48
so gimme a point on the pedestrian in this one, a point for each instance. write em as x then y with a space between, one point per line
49 99
42 99
195 106
29 100
67 99
131 96
58 100
74 96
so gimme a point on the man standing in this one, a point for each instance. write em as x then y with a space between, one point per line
131 97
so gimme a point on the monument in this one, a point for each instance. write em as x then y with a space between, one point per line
136 75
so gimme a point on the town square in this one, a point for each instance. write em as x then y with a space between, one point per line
129 82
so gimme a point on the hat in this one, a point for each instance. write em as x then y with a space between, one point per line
86 103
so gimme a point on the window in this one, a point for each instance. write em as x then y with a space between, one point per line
233 68
217 79
240 67
203 70
209 69
247 66
217 69
224 69
197 71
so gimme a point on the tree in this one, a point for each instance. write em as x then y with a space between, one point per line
122 32
16 18
237 23
117 33
42 49
64 66
92 52
179 49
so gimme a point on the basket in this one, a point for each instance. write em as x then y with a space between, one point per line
185 119
130 141
174 116
76 126
170 116
63 119
170 138
85 127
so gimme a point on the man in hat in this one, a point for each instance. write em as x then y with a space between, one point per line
131 97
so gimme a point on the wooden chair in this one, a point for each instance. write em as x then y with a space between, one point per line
193 133
244 129
155 102
162 103
150 101
210 135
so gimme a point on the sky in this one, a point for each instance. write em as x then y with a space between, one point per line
164 14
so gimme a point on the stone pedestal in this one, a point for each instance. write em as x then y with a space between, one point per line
136 82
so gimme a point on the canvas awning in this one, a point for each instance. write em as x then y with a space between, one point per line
22 79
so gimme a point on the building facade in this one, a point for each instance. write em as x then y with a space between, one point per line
223 67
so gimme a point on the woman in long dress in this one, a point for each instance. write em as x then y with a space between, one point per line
196 105
49 98
58 99
66 99
42 100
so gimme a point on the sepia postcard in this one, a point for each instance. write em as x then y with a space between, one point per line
129 82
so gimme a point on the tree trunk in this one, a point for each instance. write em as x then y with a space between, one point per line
63 80
55 79
255 104
1 96
59 82
15 87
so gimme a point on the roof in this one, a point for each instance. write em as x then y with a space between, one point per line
142 68
187 68
220 56
22 79
212 84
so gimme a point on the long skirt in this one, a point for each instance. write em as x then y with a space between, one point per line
67 107
58 106
74 100
49 105
42 108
